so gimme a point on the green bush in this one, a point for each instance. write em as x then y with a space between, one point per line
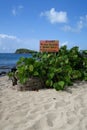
56 70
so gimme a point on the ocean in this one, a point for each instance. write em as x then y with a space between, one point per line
9 60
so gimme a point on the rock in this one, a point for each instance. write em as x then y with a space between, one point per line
13 69
14 80
3 73
31 84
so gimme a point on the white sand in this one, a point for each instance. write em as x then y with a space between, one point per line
43 110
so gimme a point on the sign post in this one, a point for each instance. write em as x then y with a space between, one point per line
49 46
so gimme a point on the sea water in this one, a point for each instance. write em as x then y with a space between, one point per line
9 60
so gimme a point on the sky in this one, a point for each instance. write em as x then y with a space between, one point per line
23 23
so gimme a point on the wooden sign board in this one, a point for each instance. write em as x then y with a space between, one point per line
49 46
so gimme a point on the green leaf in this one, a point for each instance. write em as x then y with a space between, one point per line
59 85
49 83
85 76
58 70
66 61
51 75
76 74
23 80
31 68
36 73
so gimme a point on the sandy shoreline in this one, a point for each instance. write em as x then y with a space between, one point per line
43 110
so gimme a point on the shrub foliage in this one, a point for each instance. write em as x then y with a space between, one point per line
56 70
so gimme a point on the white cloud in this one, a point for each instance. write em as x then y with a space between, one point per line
82 23
67 28
55 17
64 43
69 44
4 36
16 10
10 43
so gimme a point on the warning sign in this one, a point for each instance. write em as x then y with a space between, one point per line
49 46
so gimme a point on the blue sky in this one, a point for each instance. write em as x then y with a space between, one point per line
23 23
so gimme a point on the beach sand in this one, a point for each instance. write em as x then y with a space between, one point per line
45 109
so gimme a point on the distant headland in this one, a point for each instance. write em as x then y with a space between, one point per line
23 51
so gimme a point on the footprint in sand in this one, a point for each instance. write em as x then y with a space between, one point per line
61 104
50 118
